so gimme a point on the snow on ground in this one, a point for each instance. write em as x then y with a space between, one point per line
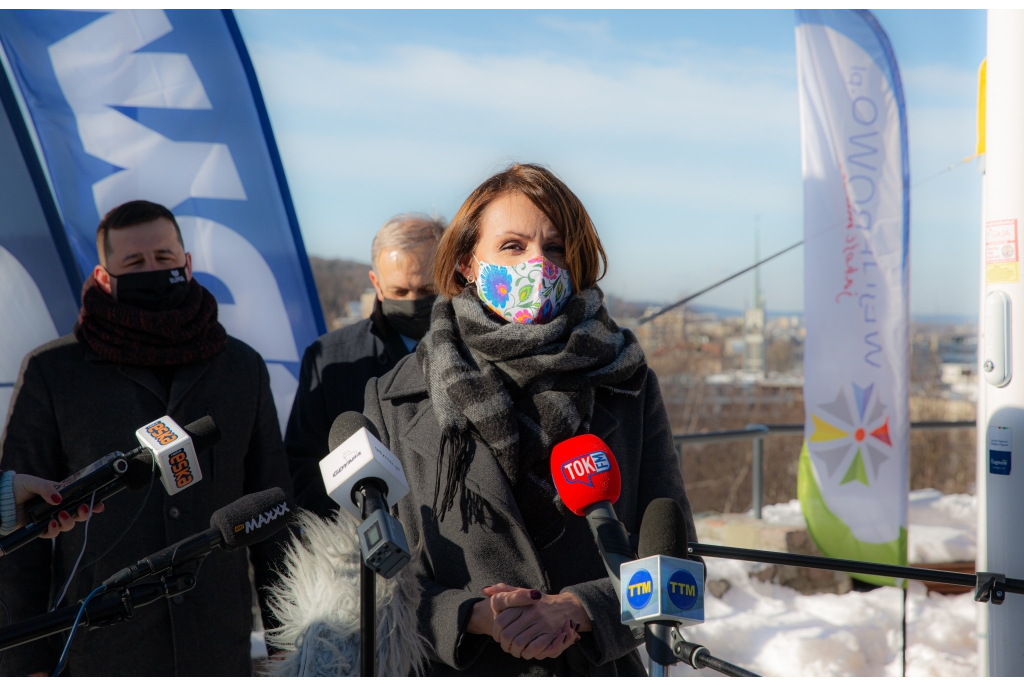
775 631
942 527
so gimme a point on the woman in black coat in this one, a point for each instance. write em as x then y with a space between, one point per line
521 355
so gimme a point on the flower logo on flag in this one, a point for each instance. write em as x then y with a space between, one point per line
851 430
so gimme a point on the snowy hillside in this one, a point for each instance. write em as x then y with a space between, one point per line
776 631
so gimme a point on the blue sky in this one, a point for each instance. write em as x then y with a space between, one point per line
679 130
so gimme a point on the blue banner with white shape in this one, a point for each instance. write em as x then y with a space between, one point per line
38 280
165 106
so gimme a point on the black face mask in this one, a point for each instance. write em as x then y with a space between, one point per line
154 291
411 318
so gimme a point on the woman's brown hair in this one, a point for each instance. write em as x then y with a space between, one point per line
584 254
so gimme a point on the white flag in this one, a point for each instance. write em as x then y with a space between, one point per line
853 476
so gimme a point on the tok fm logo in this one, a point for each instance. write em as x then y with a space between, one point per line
852 429
582 469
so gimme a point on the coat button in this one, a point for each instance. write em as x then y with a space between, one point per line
174 513
178 599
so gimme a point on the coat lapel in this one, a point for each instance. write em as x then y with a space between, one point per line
144 377
604 422
185 377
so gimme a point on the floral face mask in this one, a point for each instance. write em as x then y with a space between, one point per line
531 292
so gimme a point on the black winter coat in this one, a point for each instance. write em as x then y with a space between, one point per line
70 407
332 380
484 541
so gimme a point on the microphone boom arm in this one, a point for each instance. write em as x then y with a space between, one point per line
106 609
988 586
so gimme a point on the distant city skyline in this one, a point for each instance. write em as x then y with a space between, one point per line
675 128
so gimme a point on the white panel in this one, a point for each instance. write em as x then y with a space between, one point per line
25 323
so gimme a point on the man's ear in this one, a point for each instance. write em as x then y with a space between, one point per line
376 285
102 278
188 265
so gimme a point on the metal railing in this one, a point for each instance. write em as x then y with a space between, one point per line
756 433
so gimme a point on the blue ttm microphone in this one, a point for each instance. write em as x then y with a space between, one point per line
663 585
663 590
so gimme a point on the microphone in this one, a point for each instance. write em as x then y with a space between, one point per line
663 589
247 521
180 444
663 585
176 449
116 471
587 478
360 473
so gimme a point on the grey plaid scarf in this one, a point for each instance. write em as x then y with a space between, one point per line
522 388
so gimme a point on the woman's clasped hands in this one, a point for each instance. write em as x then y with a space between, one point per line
529 624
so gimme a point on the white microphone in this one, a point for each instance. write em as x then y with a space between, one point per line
172 448
362 475
175 449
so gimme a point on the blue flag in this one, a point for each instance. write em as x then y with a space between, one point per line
38 281
164 106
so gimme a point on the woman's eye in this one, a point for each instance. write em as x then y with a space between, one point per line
557 249
511 246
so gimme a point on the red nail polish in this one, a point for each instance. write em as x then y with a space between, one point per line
63 516
534 594
55 498
53 524
488 587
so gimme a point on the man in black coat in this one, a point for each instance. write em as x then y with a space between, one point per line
147 344
337 366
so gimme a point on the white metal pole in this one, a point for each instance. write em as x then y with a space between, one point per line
981 466
1002 345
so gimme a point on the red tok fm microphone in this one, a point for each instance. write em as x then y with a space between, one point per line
588 481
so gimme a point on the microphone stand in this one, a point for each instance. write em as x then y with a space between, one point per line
112 606
369 495
367 619
666 646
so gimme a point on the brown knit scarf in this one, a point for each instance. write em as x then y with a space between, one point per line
129 335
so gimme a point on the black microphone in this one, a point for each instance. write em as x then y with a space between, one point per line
663 530
132 474
247 521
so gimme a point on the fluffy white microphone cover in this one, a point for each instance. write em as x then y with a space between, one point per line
317 604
